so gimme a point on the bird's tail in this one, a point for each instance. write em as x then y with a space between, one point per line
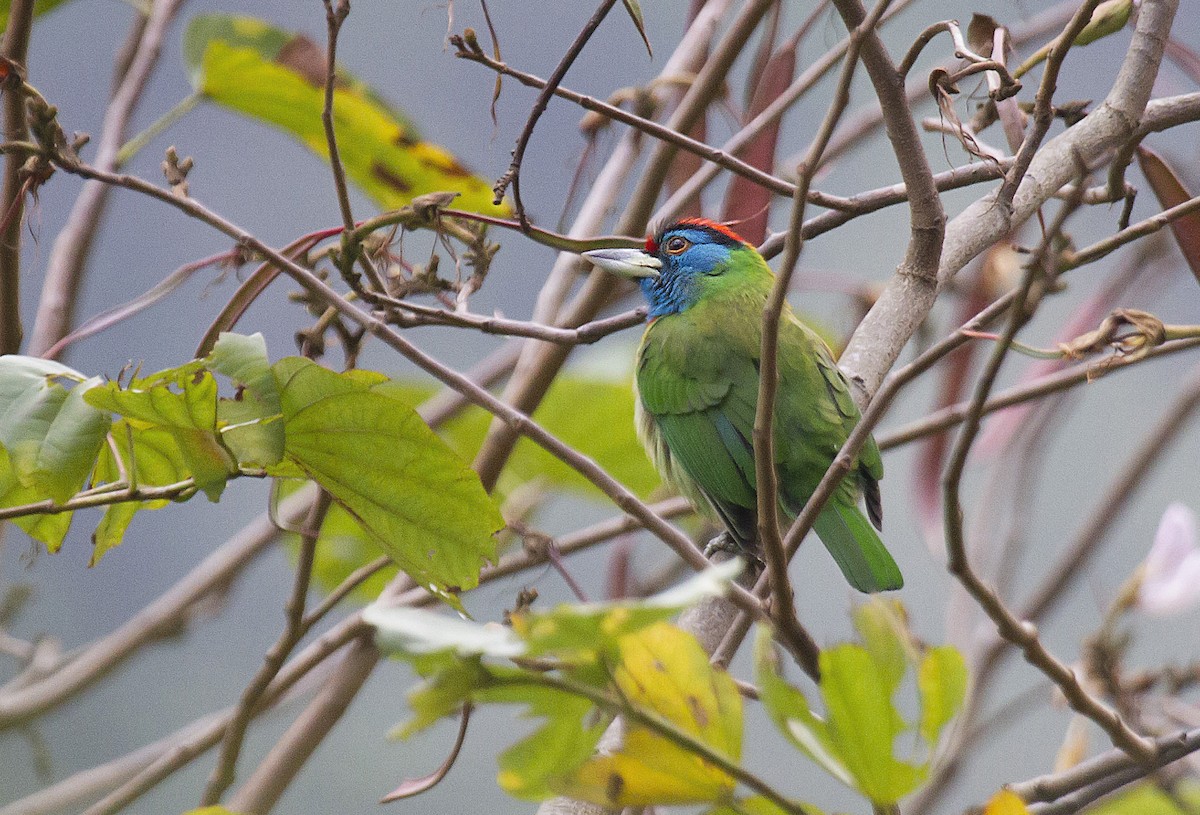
856 547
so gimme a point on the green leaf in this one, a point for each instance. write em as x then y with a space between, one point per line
634 8
52 436
1148 798
383 464
663 670
881 623
791 714
151 457
530 768
863 723
39 7
182 401
942 682
251 423
277 77
595 417
589 631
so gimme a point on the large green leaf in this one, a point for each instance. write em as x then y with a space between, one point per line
182 401
383 464
595 417
942 682
790 712
863 723
51 434
151 457
277 77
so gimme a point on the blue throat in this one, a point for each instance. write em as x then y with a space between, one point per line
678 287
669 293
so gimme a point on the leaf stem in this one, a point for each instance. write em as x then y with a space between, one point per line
136 144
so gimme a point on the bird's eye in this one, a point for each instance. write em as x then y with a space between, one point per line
676 245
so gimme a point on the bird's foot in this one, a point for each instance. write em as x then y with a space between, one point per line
723 543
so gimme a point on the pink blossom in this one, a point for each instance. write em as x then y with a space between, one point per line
1171 573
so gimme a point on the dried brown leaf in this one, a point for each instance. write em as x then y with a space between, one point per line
1170 192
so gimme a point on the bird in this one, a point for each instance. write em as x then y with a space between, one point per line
697 380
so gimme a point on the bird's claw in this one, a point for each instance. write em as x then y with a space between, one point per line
723 543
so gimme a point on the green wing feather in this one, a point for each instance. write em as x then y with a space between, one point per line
698 385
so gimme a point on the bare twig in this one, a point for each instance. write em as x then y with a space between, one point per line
124 311
1013 629
1053 383
770 114
783 608
21 702
64 271
412 314
1043 110
191 746
231 746
513 174
263 789
1073 789
334 17
15 49
718 156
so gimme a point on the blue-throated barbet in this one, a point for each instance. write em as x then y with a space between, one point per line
697 387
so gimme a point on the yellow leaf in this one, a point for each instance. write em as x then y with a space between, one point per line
664 672
1005 802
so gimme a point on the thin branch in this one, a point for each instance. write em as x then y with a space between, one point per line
68 257
770 114
952 415
189 748
334 17
159 619
783 607
1017 631
513 174
1089 780
415 314
1043 109
231 746
117 314
1149 226
718 156
263 789
14 49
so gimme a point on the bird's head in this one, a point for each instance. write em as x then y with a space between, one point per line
682 263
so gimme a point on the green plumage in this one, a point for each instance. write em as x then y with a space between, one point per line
697 381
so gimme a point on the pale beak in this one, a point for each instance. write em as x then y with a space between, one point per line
632 263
